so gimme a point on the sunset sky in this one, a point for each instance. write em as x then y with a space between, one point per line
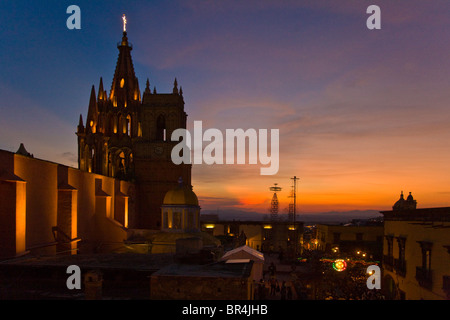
363 114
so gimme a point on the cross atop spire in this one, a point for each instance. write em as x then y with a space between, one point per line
124 18
124 88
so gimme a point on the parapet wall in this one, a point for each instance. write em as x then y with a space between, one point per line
47 208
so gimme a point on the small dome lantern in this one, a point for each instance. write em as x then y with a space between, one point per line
180 210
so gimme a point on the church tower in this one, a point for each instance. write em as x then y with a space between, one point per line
127 136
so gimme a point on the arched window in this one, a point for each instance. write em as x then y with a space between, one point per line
122 124
114 124
161 128
88 158
109 125
130 160
83 156
120 165
165 219
94 160
129 125
122 160
102 123
176 224
110 166
190 220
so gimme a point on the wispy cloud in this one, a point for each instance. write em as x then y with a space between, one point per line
362 115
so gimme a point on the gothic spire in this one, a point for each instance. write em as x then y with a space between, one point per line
80 128
91 120
124 86
101 90
175 86
137 91
147 92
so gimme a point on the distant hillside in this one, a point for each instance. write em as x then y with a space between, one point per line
322 217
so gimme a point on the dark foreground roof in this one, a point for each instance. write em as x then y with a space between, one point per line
132 261
216 270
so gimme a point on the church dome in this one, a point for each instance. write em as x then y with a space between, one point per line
410 197
400 203
407 204
181 195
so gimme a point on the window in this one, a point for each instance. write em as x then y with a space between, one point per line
423 273
400 263
426 254
161 128
390 248
176 220
336 237
128 124
268 234
165 220
401 248
94 161
388 258
122 82
139 130
190 220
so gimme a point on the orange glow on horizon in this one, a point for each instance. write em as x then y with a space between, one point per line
316 198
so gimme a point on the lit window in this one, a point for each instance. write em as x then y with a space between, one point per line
139 130
122 82
176 220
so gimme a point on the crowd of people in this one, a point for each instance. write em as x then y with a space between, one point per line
349 284
273 290
270 287
325 283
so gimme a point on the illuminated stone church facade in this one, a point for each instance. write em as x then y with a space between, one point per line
127 136
124 172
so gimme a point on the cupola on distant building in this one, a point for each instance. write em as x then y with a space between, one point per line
407 204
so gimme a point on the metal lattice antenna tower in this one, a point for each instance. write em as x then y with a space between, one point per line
291 207
294 195
294 213
274 203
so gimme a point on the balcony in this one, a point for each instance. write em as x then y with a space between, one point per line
400 267
388 262
446 285
424 277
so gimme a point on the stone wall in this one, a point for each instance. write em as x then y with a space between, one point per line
46 207
200 288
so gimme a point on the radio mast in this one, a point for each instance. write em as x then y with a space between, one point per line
274 203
